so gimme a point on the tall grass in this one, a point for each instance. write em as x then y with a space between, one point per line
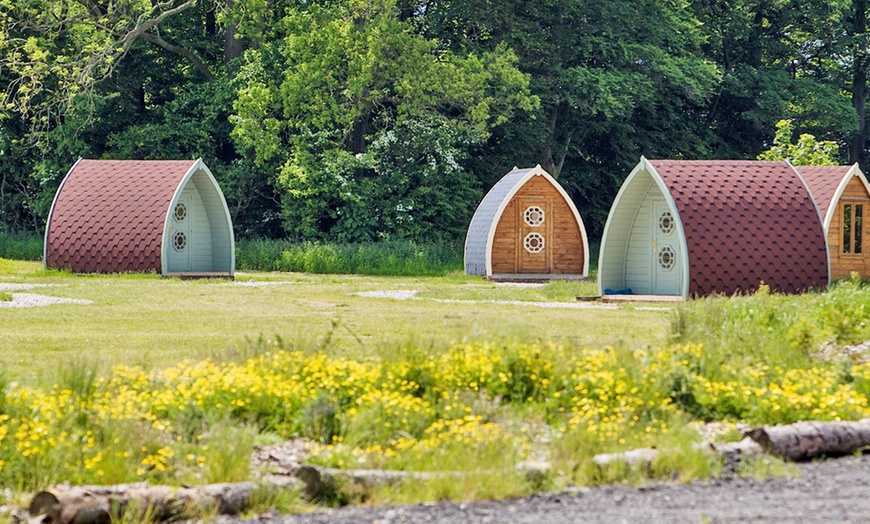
764 352
782 329
21 246
399 258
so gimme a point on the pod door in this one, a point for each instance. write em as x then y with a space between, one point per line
534 241
666 268
179 231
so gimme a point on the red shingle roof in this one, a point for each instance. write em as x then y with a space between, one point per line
108 215
823 182
747 222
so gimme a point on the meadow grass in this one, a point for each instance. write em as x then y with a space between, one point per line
396 258
21 246
179 379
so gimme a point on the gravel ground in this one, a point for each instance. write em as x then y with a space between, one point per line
830 491
410 294
31 299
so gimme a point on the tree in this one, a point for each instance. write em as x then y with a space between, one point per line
58 50
346 74
807 151
778 61
616 79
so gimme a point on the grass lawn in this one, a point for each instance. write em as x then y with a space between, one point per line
153 322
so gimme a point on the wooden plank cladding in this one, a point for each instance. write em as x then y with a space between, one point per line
843 197
853 255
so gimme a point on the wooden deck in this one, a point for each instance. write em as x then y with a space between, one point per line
189 275
533 277
640 298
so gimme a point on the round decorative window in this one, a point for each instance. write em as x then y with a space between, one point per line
180 212
666 223
179 241
534 216
667 258
534 243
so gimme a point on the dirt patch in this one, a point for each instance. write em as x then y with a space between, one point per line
397 294
21 287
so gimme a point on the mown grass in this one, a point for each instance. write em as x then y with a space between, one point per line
154 322
557 290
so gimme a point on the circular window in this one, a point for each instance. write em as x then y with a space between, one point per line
666 223
534 243
534 216
667 258
179 241
180 212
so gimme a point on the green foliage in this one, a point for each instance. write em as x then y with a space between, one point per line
807 151
765 466
369 124
21 246
381 258
350 121
767 356
319 422
226 452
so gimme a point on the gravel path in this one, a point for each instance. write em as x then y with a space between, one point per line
830 491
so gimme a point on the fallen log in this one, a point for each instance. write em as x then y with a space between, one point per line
806 440
65 504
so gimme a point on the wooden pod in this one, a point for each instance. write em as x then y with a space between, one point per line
527 227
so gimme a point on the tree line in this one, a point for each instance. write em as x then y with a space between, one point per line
367 120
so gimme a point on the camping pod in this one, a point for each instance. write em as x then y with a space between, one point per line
165 216
693 228
527 227
843 196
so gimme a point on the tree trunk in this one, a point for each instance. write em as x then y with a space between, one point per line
756 49
66 504
805 440
548 155
859 84
233 47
